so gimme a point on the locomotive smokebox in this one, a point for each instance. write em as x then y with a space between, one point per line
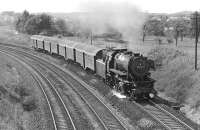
135 64
139 66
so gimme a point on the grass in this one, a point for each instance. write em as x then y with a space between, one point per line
10 36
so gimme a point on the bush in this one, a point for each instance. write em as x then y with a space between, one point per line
163 56
29 103
22 91
176 77
27 100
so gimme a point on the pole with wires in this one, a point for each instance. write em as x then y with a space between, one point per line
195 23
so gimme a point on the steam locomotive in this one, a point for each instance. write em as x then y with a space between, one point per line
129 73
123 70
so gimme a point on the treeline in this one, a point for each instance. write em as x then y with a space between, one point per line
41 24
45 24
166 26
161 26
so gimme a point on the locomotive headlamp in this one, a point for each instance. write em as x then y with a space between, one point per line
151 95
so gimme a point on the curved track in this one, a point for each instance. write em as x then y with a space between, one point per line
108 119
40 84
167 119
56 106
60 114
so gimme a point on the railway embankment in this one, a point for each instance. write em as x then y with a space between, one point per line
177 80
20 104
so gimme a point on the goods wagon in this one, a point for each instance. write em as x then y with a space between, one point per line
62 48
86 55
70 51
34 41
54 46
38 41
47 44
79 54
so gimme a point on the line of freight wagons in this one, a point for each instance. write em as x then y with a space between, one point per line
87 56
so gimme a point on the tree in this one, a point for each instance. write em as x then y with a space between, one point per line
61 27
45 22
40 24
31 25
20 23
155 27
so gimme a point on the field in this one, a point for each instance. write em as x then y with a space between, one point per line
175 76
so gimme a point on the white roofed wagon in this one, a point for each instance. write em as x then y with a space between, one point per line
87 54
70 52
62 48
38 41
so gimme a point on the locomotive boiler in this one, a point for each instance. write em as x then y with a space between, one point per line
129 73
134 63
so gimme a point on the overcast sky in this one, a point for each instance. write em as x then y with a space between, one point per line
153 6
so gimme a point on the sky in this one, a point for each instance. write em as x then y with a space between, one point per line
152 6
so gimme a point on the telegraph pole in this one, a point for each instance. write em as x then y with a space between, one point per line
196 38
91 38
177 34
196 18
195 21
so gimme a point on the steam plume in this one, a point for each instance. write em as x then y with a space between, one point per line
124 17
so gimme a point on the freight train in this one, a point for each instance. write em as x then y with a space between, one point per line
123 70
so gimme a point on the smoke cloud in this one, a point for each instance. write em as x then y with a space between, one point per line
123 17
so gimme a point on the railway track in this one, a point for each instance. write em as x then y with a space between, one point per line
171 120
63 117
108 119
167 119
35 76
56 105
55 79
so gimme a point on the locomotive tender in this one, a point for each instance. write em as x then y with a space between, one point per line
122 70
